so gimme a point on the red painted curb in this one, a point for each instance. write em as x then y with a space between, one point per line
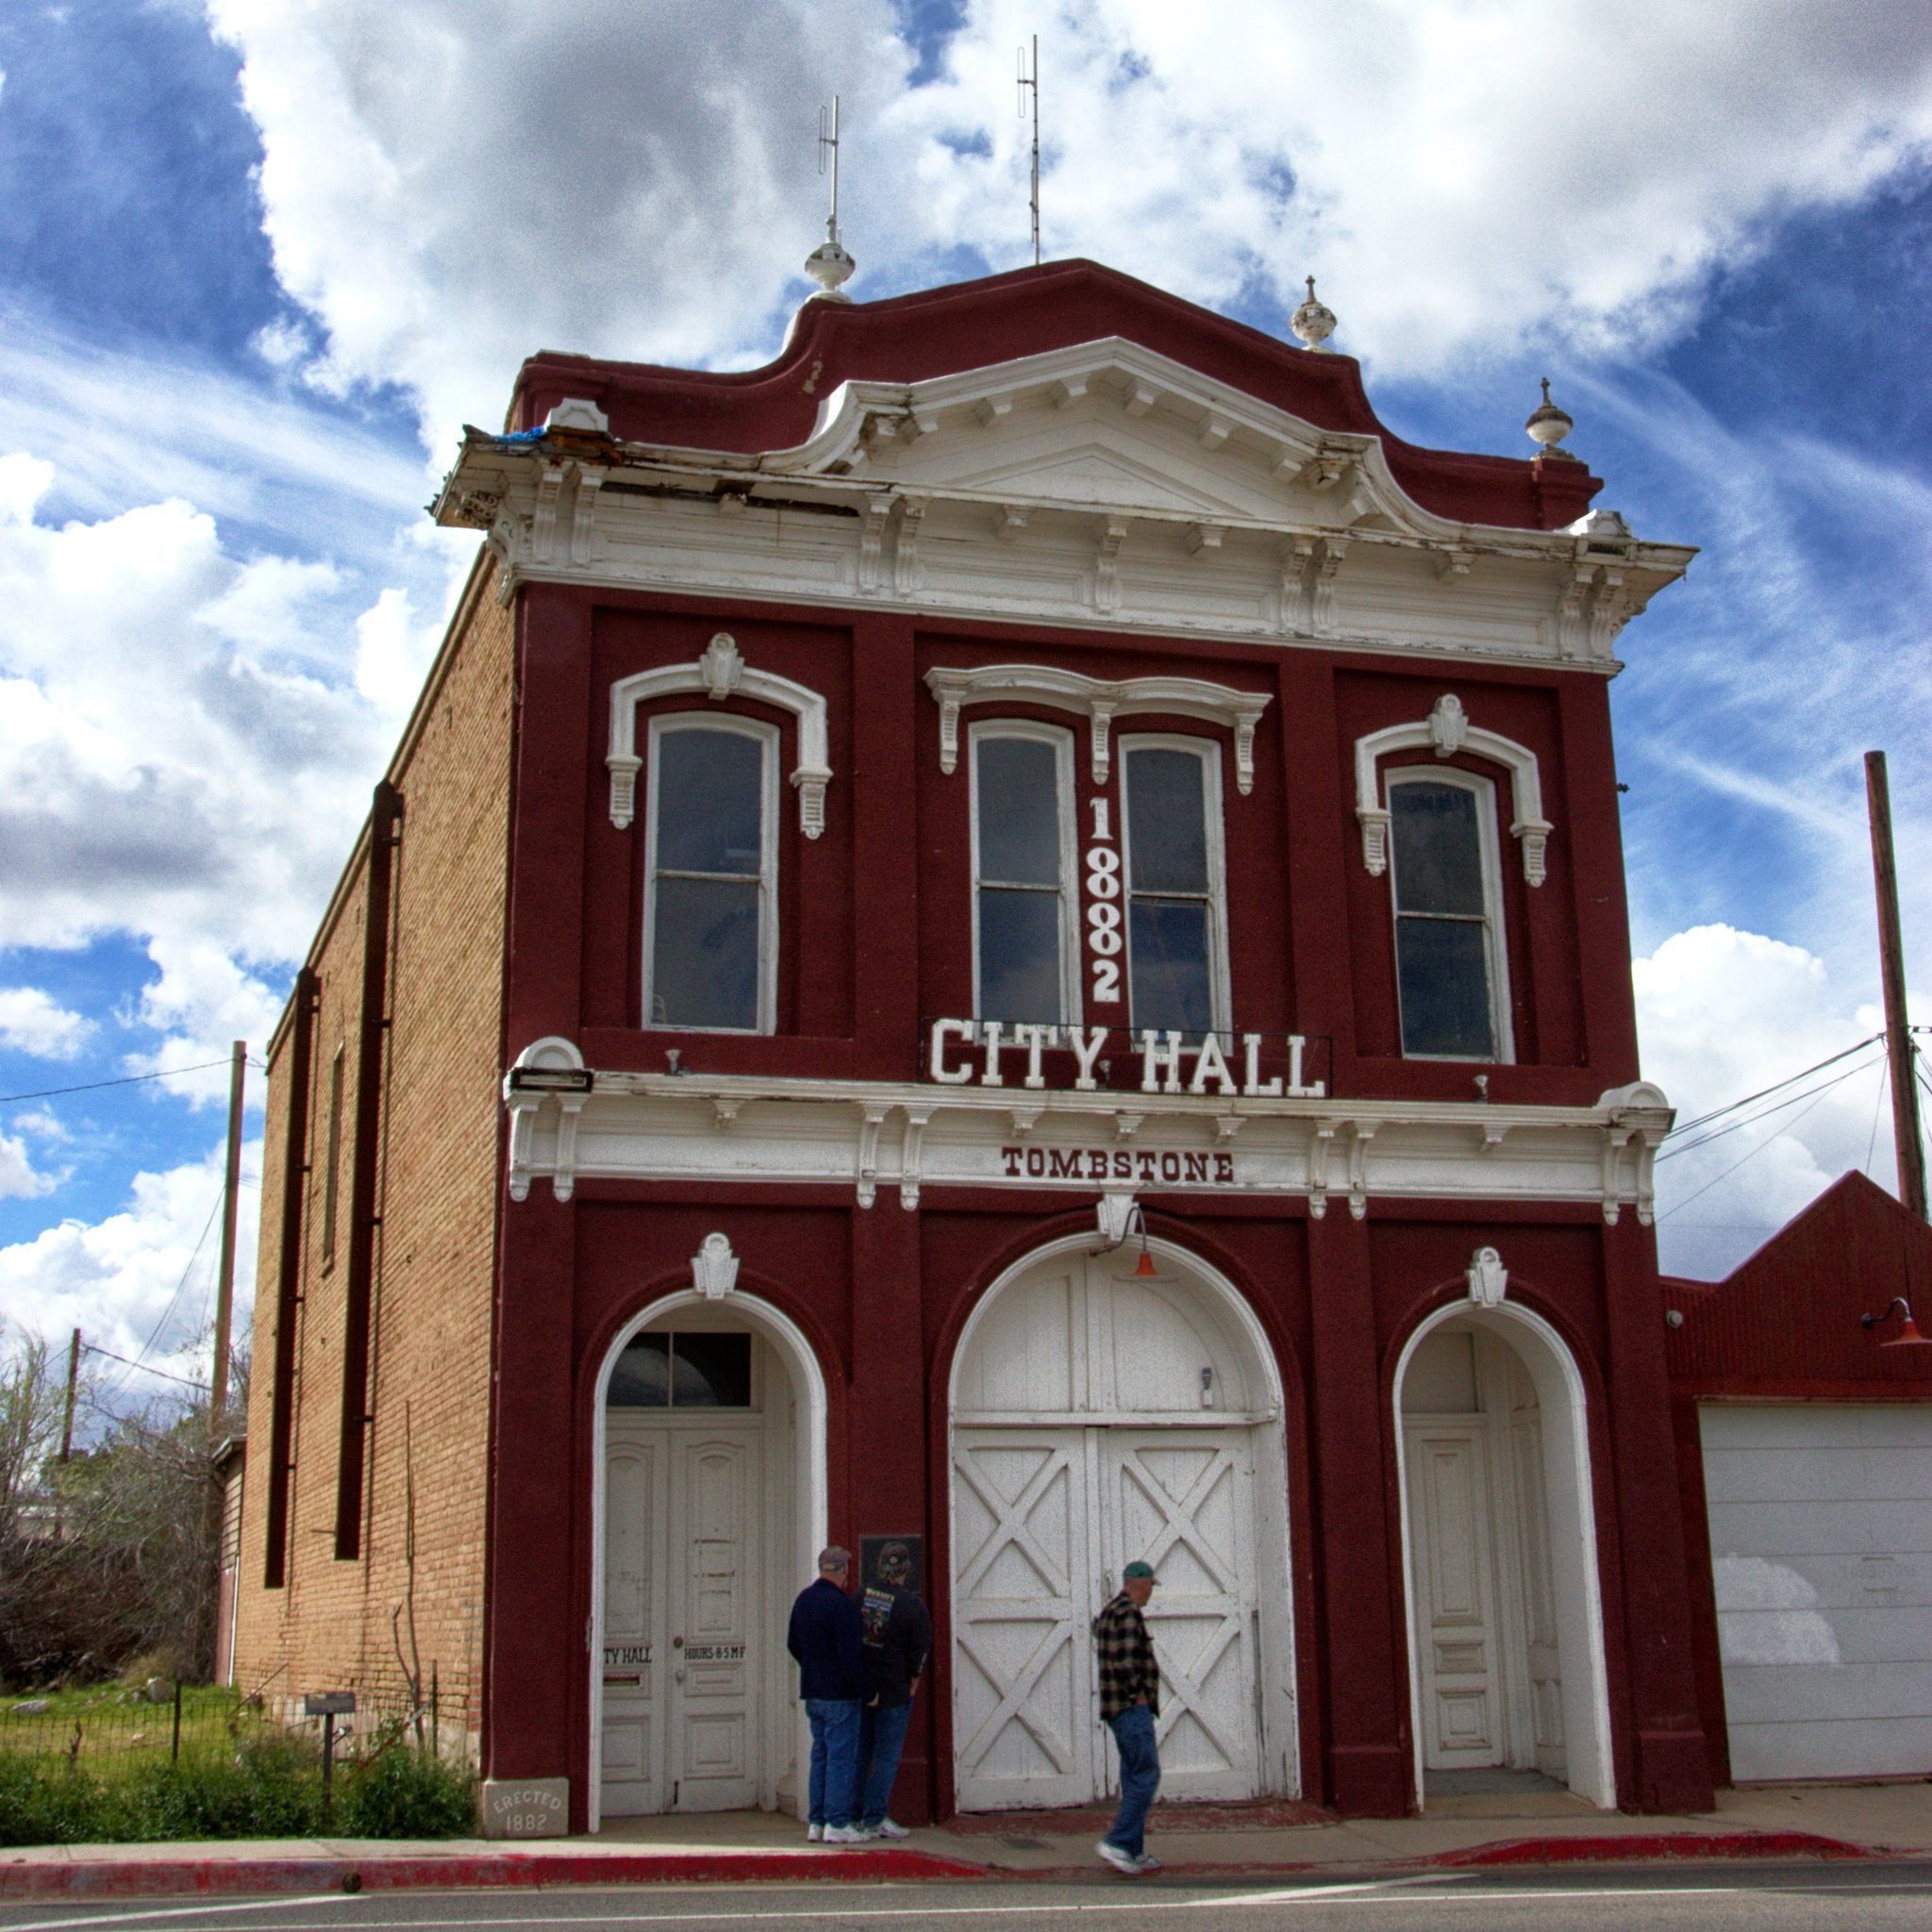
210 1877
1659 1844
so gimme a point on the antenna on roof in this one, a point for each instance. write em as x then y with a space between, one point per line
1032 80
829 264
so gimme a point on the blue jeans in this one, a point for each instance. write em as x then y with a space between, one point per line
834 1759
881 1738
1133 1731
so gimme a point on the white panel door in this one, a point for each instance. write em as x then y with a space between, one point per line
1182 1500
1450 1522
634 1679
1821 1541
1024 1717
713 1693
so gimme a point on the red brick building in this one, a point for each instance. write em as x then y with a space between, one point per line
1008 932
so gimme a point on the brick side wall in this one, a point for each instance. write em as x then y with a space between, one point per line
339 1624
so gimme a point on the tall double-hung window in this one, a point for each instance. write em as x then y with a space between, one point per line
1451 968
1177 895
710 898
1024 903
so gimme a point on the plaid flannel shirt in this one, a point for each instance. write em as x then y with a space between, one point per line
1125 1654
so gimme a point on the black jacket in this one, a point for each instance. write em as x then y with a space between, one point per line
825 1638
898 1639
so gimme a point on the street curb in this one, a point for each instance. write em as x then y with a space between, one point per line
1646 1847
105 1878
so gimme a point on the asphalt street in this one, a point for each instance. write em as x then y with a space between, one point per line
1763 1898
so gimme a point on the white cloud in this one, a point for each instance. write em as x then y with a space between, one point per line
203 1003
393 653
18 1180
1724 1014
163 768
448 187
32 1021
147 1272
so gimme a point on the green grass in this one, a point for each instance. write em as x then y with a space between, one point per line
120 1732
269 1786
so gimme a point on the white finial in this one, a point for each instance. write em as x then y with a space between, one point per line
829 264
1312 321
1549 424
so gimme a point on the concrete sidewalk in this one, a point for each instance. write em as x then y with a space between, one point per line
1196 1842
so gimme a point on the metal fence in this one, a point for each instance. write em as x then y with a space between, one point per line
110 1728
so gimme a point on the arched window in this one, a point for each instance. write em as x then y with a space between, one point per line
710 903
1177 914
1025 946
1451 969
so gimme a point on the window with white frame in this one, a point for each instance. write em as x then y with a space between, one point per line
1177 894
1451 971
710 907
1026 950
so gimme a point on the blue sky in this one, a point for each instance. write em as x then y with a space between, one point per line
260 259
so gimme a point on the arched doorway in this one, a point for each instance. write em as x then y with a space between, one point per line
1098 1417
707 1506
1499 1543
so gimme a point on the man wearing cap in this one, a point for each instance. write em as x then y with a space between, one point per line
828 1645
1130 1704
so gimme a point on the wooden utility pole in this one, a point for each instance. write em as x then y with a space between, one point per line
224 1290
73 1377
1898 1034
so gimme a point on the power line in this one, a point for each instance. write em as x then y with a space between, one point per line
1718 1113
1764 1114
168 1311
1706 1188
145 1368
94 1086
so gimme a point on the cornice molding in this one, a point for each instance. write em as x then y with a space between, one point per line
1447 730
1098 701
719 674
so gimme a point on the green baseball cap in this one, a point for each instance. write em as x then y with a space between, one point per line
1134 1571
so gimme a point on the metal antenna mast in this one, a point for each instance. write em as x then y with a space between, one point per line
828 143
1032 81
829 264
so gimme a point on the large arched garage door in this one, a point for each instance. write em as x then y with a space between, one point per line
1098 1417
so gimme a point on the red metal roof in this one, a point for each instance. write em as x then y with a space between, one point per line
1027 312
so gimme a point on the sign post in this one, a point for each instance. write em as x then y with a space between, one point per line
329 1706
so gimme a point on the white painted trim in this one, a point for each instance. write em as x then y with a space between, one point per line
1275 1654
811 1509
1495 945
719 674
1213 812
1100 703
766 736
1067 804
1447 729
1572 1509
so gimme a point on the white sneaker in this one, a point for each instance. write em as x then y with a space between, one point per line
1120 1861
1148 1862
815 1833
845 1835
889 1827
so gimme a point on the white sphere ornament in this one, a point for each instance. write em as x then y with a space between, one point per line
828 265
1549 424
1312 321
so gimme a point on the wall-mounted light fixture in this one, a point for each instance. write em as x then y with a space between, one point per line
1118 1214
1908 1336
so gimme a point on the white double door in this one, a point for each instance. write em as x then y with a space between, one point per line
681 1705
1044 1520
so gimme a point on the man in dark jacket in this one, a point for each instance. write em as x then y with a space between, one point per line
898 1640
825 1638
1130 1704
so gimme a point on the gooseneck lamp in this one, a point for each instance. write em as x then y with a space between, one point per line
1908 1336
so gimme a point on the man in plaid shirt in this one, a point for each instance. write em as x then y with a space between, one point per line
1129 1703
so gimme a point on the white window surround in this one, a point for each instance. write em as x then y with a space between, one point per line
1447 729
766 878
720 673
1100 703
1063 742
1495 946
1209 753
